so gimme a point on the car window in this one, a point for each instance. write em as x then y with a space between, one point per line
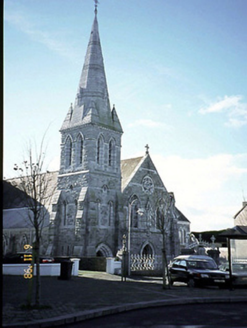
175 264
202 264
210 265
182 263
192 264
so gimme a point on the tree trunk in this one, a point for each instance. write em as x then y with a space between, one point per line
37 286
166 280
30 284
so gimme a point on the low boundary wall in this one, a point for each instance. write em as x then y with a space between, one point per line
46 269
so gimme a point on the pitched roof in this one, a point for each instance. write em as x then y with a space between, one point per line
18 218
15 197
242 210
128 169
237 232
180 216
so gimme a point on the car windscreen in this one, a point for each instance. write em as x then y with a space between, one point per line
202 265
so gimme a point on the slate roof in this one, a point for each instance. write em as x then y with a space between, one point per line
14 197
128 169
180 216
16 218
242 211
15 203
237 232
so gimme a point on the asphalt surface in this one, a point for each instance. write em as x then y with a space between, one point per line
199 315
96 294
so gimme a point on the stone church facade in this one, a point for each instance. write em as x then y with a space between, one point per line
95 188
99 197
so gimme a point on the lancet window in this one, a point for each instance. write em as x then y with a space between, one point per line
79 149
110 211
111 158
68 152
100 150
134 211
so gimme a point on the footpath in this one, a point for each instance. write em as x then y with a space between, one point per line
95 294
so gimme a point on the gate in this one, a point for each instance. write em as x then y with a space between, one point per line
145 263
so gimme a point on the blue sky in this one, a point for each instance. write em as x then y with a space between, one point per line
176 72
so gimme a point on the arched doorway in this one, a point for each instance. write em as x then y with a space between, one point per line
100 254
103 251
147 250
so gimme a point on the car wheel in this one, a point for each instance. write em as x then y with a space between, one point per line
191 283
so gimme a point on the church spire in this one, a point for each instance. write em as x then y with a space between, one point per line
96 5
92 103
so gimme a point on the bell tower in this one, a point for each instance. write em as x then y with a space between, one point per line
89 179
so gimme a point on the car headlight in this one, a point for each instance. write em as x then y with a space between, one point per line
227 276
203 275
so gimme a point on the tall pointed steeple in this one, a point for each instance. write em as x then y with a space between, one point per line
92 100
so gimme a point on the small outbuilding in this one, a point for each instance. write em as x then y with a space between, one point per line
237 253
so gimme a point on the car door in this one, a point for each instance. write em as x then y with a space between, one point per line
174 270
182 271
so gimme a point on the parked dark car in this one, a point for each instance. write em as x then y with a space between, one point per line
197 271
25 257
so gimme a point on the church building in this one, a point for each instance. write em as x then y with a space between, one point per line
98 197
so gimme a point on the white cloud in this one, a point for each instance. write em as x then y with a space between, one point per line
233 106
207 190
48 39
148 123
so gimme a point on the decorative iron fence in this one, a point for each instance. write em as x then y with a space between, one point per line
145 262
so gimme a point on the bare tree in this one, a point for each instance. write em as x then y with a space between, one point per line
35 184
164 221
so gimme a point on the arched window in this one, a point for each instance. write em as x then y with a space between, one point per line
23 242
100 150
150 216
184 236
68 152
110 212
79 149
180 236
99 211
134 211
110 154
76 207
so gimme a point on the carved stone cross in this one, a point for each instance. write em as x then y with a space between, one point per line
147 148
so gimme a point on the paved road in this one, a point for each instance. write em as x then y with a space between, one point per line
198 315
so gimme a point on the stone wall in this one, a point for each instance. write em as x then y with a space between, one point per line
93 263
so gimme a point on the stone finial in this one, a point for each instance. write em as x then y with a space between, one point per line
147 148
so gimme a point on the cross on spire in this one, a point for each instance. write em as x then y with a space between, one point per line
147 148
96 6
